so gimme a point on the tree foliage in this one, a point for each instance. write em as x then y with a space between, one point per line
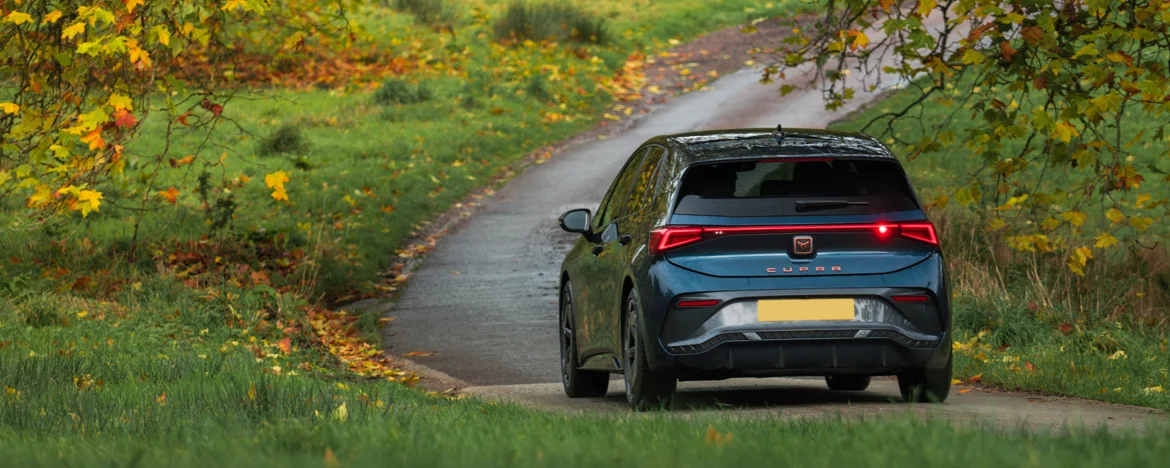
1052 90
78 76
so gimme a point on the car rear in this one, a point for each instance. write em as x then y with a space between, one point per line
797 266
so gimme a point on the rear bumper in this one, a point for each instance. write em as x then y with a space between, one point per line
728 340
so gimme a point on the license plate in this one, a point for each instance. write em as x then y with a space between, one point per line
794 310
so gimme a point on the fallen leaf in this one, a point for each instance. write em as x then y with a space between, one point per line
170 194
975 378
419 353
963 390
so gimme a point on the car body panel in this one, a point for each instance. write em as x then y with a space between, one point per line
707 343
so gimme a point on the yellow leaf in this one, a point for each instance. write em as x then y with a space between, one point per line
9 108
1141 222
341 414
860 40
1115 215
1105 240
130 4
1142 199
72 30
232 5
52 17
1076 218
39 198
87 201
164 35
924 6
1078 259
251 390
1064 132
120 102
17 18
275 181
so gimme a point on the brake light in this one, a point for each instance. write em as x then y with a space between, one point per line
920 232
667 238
697 303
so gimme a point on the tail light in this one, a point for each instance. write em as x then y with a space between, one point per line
911 298
669 238
697 303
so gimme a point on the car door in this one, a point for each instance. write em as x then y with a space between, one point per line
616 236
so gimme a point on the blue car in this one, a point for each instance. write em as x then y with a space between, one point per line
755 253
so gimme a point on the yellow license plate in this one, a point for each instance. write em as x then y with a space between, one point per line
793 310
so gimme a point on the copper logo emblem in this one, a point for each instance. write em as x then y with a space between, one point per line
802 245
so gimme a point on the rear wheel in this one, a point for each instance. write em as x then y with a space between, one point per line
644 388
855 383
578 383
926 385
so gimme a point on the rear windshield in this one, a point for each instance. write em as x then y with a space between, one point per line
784 188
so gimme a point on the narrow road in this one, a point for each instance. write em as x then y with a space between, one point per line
485 301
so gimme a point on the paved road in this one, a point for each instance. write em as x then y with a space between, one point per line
486 298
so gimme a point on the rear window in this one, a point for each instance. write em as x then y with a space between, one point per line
784 188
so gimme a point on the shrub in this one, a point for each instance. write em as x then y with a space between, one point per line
286 140
399 91
563 22
432 12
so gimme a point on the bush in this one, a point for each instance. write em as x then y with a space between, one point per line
432 12
285 140
563 22
398 91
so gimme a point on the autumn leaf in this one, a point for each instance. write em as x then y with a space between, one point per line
94 139
120 102
251 390
418 354
183 161
1064 132
130 4
1076 218
285 346
87 201
1105 240
162 399
1078 259
9 108
51 17
1115 215
975 378
163 34
72 30
341 413
17 18
924 7
124 119
170 194
275 181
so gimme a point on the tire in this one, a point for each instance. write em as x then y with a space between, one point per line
645 388
578 383
853 383
926 385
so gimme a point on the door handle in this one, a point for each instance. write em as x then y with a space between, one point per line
597 249
624 240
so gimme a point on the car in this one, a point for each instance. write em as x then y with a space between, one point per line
755 253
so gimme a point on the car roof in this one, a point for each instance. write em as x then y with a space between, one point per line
762 142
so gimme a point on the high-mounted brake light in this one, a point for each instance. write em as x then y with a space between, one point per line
672 237
697 303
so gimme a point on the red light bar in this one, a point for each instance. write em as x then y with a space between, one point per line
911 298
671 237
697 303
793 160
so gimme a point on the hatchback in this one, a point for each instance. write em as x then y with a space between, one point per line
755 253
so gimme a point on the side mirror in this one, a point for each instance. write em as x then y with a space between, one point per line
576 221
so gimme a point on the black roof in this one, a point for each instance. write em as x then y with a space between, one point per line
760 142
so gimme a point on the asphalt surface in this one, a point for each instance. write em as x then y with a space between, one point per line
485 300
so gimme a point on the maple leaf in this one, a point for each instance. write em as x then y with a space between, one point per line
87 201
170 194
182 118
275 181
72 30
130 4
9 108
124 119
94 139
40 197
51 17
17 18
285 346
120 102
164 35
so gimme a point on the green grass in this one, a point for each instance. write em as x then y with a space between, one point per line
1044 328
